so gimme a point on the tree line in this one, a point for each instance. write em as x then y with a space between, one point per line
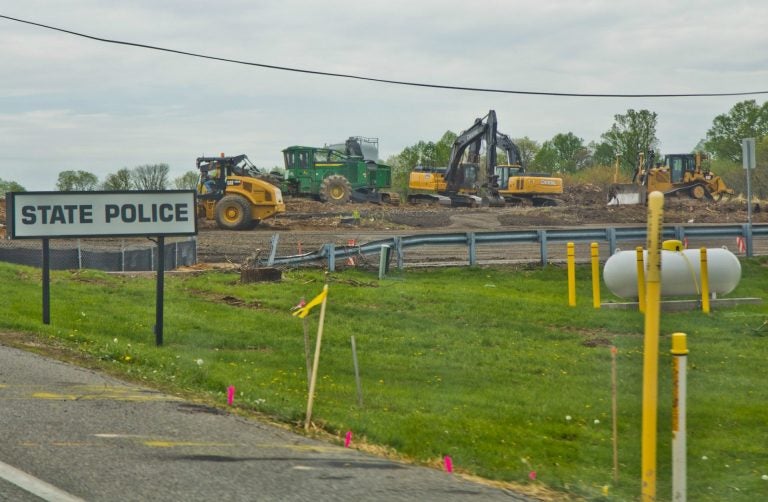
565 153
146 177
631 133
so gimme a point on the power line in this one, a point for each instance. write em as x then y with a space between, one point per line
382 80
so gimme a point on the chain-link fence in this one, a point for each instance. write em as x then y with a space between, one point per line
114 255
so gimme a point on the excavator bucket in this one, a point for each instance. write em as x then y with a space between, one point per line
626 194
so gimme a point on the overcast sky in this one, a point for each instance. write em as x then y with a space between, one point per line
70 103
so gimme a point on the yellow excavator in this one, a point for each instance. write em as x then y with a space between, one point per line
519 187
467 184
461 183
679 174
232 191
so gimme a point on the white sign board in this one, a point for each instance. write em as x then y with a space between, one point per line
107 214
748 153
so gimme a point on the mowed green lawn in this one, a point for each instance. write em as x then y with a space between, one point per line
487 365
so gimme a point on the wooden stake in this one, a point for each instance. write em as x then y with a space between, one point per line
306 350
614 408
313 380
357 374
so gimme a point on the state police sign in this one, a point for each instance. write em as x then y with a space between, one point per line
34 215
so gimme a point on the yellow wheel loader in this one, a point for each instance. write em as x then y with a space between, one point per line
235 194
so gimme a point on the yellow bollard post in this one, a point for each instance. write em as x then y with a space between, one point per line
640 279
704 281
651 347
595 251
571 274
679 398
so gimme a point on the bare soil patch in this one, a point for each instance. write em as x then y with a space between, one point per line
579 205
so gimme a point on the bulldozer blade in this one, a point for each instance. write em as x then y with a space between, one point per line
494 201
627 194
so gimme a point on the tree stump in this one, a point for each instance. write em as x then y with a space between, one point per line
260 274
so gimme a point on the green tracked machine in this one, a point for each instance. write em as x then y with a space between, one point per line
339 173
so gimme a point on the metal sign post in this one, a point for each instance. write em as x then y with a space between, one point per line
46 282
160 291
749 160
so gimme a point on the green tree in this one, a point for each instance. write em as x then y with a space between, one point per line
528 150
187 181
73 181
10 186
427 153
121 180
746 119
150 177
602 153
443 148
564 153
632 133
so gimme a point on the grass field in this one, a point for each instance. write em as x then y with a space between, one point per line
487 365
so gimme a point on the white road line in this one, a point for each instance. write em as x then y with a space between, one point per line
35 486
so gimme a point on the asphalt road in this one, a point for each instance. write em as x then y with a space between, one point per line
72 434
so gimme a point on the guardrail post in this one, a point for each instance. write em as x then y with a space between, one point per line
383 261
472 244
273 249
747 232
331 251
543 246
679 233
398 241
610 235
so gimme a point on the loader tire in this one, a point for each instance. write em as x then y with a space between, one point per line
335 189
233 213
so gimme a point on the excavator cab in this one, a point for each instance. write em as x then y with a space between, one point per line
506 171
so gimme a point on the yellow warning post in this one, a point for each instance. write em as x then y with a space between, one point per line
651 347
571 274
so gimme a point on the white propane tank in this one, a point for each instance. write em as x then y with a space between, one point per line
680 272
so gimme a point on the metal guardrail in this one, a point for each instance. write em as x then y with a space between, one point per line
612 236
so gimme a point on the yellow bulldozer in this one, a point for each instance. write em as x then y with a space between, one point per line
232 191
679 174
